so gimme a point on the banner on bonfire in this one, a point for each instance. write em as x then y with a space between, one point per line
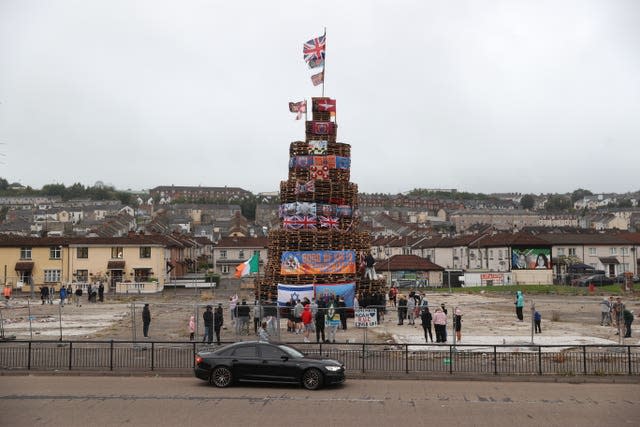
317 262
344 290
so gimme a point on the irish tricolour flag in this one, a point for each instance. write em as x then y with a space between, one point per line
247 267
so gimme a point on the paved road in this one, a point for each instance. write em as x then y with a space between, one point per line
162 401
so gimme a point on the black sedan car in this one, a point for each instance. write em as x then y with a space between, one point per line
596 279
261 361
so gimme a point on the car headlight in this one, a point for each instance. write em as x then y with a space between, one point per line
333 368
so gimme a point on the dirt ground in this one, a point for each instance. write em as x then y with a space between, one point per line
487 319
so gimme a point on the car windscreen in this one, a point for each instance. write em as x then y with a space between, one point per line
292 352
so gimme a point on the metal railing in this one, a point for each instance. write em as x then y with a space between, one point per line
365 358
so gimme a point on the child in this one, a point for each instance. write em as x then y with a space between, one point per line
537 318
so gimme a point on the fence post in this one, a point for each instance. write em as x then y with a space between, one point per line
193 356
111 356
584 360
495 360
451 359
363 356
629 358
29 357
70 353
540 360
406 358
152 355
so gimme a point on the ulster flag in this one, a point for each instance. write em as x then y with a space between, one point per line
325 104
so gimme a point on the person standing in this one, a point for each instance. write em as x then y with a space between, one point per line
233 304
440 324
411 309
307 321
627 316
218 321
44 294
89 290
393 293
519 305
101 292
342 310
52 294
63 295
146 320
243 312
319 321
257 316
297 316
369 271
263 334
77 295
192 327
402 309
426 318
605 310
332 318
207 318
537 320
457 323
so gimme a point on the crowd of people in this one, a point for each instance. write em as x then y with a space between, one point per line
68 293
327 314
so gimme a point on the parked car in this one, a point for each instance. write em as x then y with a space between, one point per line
596 279
620 278
260 361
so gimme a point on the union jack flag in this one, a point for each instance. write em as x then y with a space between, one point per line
292 222
308 222
328 221
305 187
313 50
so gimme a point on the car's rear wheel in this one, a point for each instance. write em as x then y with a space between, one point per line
312 379
221 377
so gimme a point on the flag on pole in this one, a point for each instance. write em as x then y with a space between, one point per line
326 104
249 266
317 79
313 51
298 107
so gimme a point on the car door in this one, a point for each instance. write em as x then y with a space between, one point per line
245 362
276 365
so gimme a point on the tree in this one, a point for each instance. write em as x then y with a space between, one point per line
527 201
558 203
579 194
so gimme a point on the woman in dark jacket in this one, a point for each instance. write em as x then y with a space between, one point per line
218 320
425 316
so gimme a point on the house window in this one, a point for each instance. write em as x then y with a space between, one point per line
51 276
145 252
82 276
225 269
499 253
117 252
560 251
223 254
241 254
25 253
54 252
572 251
455 251
625 252
82 252
613 251
592 251
490 253
142 274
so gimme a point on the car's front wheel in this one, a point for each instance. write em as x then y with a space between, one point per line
312 379
221 377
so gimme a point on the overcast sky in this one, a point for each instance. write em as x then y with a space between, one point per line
482 96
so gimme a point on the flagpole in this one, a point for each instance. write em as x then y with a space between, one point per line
324 63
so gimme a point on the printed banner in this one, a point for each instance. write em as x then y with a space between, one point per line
317 147
344 290
322 128
317 262
531 259
297 292
331 162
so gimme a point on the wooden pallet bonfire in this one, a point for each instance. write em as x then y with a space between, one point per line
318 211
